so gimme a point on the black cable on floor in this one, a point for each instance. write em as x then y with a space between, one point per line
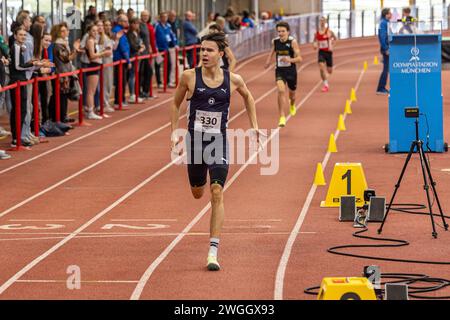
417 283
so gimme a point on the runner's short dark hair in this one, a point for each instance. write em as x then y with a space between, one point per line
385 12
218 37
283 24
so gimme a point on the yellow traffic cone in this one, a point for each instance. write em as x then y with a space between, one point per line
348 108
353 95
341 124
375 60
366 65
332 144
319 178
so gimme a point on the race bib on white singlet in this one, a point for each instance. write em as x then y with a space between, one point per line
283 64
323 44
207 121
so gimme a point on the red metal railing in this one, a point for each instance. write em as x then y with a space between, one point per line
57 90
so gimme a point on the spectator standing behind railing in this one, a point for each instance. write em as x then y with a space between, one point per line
122 52
137 47
37 31
18 68
63 57
246 20
175 25
384 49
190 36
165 39
95 56
45 87
145 68
23 19
107 42
90 18
4 62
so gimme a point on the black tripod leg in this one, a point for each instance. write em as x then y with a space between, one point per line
426 186
433 186
397 186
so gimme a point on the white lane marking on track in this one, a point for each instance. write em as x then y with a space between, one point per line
150 226
83 236
30 265
281 271
41 220
143 220
19 226
81 281
104 128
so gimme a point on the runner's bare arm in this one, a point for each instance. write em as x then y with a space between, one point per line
333 38
179 95
297 56
231 58
315 42
269 58
249 101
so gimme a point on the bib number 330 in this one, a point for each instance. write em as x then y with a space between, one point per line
206 121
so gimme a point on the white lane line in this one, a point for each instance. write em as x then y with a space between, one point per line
41 220
148 273
281 271
81 281
83 236
106 127
143 220
95 164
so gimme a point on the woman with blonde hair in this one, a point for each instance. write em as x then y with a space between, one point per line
106 42
95 56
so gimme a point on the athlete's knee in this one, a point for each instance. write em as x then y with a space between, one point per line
216 193
197 192
281 91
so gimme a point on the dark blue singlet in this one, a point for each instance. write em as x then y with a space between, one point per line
208 113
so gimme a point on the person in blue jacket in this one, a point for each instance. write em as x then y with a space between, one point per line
122 52
165 39
384 49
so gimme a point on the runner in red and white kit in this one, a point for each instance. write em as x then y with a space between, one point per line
324 41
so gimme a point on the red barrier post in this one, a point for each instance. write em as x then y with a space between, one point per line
151 82
136 78
80 101
57 98
18 117
184 58
176 67
194 56
166 59
120 84
102 89
36 107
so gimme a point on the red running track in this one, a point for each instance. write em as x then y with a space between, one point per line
108 200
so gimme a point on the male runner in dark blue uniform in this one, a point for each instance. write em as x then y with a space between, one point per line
209 88
287 52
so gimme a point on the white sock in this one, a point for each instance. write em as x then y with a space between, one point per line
213 246
325 82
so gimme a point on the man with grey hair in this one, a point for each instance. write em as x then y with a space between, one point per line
145 69
190 35
122 52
